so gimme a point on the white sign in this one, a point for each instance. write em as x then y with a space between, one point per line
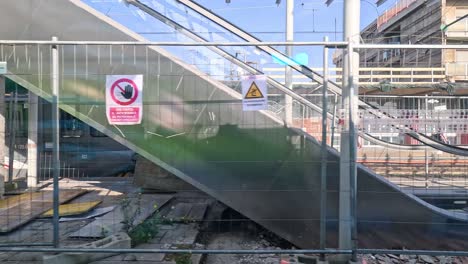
3 67
124 99
254 93
440 107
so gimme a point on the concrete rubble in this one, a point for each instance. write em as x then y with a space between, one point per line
117 241
412 259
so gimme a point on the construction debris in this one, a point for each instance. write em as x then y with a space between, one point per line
72 209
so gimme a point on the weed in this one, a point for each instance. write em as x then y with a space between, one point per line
183 258
129 214
145 231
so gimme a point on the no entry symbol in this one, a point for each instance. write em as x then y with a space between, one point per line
124 91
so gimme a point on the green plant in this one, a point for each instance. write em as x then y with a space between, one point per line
129 213
147 230
144 231
183 258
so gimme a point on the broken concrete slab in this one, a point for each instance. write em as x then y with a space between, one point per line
119 240
111 222
95 213
179 234
186 212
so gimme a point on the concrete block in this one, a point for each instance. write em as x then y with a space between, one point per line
119 240
150 176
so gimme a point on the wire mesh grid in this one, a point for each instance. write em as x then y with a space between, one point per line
193 127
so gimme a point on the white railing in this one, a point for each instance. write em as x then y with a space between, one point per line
371 76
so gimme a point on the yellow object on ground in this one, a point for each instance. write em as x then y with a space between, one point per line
72 209
14 200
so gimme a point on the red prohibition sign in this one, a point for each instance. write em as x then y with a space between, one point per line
116 85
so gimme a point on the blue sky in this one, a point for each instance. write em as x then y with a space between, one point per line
313 19
310 15
262 18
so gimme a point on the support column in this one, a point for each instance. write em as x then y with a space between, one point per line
32 140
347 231
3 171
289 52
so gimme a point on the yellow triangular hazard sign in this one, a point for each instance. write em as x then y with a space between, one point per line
253 92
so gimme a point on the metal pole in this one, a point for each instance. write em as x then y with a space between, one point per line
55 140
175 251
11 151
323 174
426 161
288 108
3 172
14 123
32 140
335 102
348 139
13 131
353 120
251 43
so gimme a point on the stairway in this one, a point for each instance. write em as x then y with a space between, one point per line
194 127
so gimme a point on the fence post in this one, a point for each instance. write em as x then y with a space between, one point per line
323 174
55 139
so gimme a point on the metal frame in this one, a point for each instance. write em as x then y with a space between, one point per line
331 44
57 249
241 252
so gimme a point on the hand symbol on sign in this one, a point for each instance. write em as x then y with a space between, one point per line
128 93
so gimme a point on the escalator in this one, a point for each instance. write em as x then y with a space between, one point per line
156 12
194 127
316 77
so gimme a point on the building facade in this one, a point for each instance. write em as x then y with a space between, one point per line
420 22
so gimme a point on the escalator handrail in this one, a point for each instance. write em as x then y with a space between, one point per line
427 141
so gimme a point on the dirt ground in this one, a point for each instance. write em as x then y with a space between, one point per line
238 240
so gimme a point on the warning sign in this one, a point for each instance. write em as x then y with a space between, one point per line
124 99
254 93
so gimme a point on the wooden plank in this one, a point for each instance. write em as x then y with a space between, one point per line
14 200
72 209
111 222
25 211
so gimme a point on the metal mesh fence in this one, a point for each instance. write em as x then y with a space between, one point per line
245 176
